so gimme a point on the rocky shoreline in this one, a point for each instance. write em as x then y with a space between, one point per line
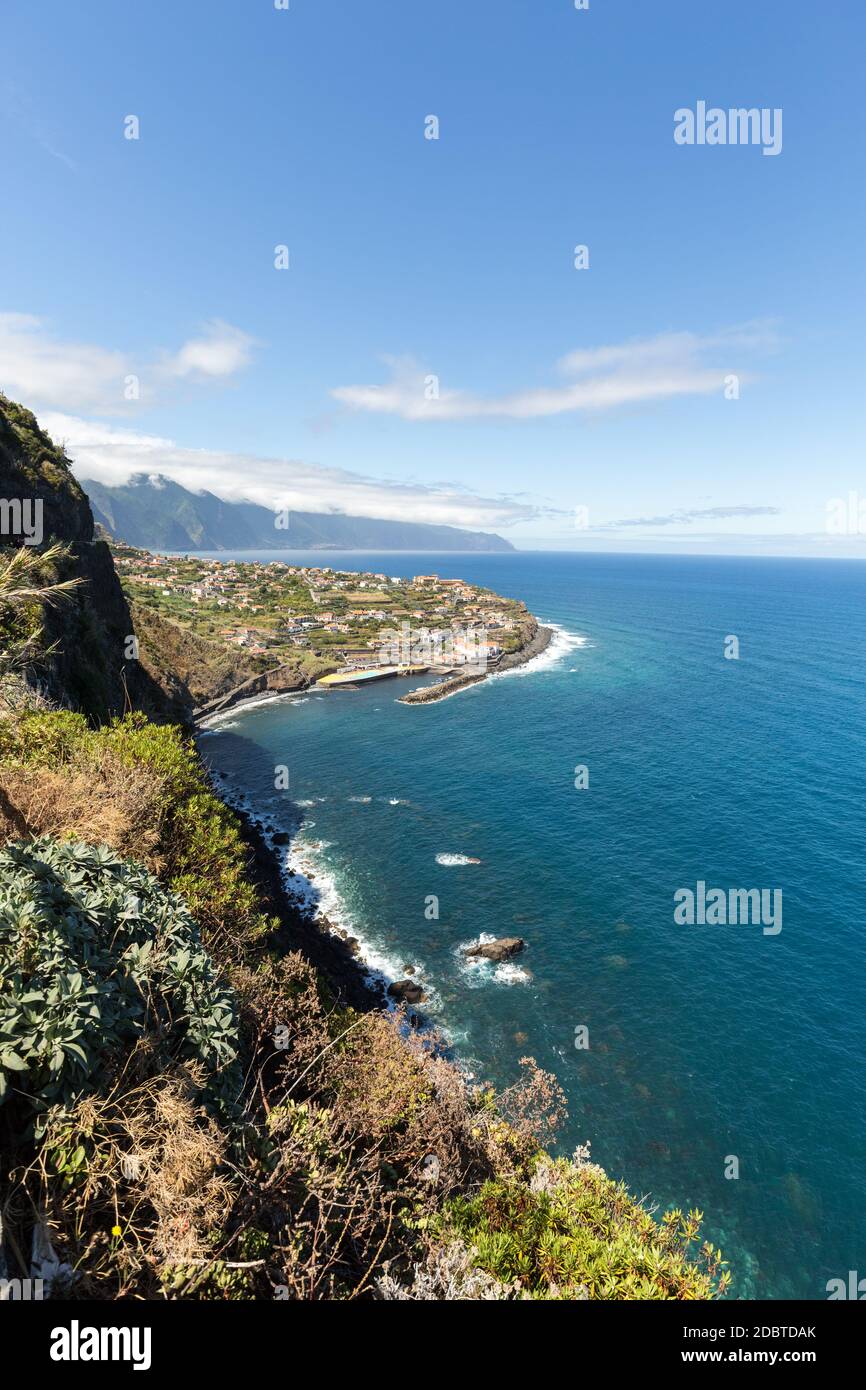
539 642
427 693
313 936
282 680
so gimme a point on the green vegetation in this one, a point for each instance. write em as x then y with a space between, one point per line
96 962
34 456
572 1232
172 818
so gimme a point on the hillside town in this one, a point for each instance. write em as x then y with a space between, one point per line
276 611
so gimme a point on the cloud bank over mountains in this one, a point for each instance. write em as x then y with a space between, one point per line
112 455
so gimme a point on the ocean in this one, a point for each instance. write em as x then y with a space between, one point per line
725 1062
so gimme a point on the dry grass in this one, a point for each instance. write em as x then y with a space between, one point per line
100 802
534 1106
381 1082
285 1019
154 1187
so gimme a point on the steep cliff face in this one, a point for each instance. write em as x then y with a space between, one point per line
91 669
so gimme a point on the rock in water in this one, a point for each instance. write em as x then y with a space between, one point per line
501 949
407 991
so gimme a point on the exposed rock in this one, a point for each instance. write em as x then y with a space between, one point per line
407 992
228 691
282 837
502 949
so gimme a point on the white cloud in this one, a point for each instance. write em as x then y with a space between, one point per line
221 351
688 517
46 371
650 369
111 454
41 370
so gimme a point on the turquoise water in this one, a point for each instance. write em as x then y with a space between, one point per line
704 1041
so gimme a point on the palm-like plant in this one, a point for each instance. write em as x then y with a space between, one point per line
27 577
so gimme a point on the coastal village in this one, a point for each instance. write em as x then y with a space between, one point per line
330 623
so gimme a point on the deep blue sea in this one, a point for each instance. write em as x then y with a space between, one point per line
705 1042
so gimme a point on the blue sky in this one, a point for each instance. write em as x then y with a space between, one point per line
558 389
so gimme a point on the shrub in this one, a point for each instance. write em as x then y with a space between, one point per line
152 1188
575 1233
190 836
96 960
448 1273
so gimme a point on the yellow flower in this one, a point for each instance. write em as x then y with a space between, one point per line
116 1231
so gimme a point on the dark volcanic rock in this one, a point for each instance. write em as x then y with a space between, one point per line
298 931
503 949
407 992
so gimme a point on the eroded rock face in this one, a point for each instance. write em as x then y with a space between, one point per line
502 949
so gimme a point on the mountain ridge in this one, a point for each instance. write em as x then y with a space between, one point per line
154 512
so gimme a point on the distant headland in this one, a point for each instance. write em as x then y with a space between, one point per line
155 513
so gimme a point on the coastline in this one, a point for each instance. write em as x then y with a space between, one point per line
258 690
538 642
452 685
301 928
292 890
281 680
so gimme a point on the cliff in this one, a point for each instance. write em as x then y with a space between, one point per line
89 669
